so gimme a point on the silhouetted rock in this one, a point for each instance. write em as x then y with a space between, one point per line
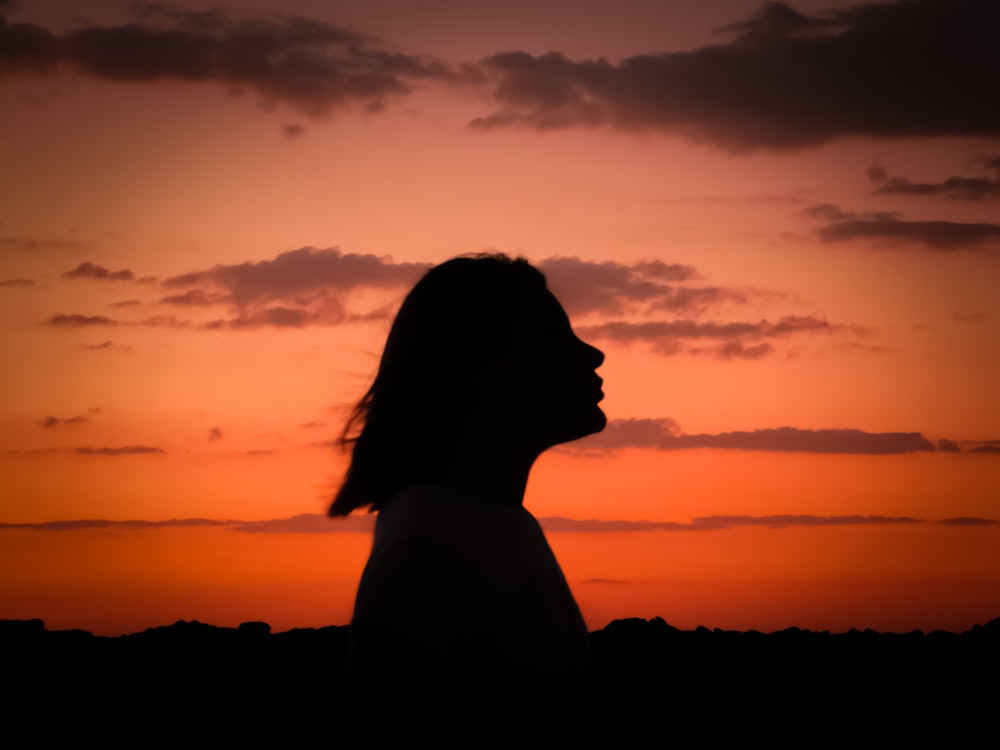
254 629
654 686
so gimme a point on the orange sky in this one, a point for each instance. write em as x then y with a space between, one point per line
795 284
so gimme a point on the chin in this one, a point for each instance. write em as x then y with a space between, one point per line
600 421
594 421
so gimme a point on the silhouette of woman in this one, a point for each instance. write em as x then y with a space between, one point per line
465 632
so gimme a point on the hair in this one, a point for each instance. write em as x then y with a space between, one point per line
451 324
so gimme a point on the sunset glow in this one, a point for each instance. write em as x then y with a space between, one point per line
208 215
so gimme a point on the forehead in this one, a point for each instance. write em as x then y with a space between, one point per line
541 315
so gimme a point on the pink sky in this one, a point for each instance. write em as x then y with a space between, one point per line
778 225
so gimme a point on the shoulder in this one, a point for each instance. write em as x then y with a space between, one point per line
441 555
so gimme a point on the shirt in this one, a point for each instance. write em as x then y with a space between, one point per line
465 630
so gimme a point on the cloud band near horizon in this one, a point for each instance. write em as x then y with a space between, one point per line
316 523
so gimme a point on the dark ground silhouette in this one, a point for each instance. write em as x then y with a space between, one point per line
654 686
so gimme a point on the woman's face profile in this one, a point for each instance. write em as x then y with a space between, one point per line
548 375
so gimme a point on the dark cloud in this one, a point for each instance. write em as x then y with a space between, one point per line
214 434
794 440
955 188
309 523
971 316
948 446
939 236
736 350
312 66
100 524
127 303
89 270
261 452
986 448
193 298
292 130
631 433
665 434
738 339
50 422
943 236
16 282
79 321
27 243
877 172
124 450
787 80
968 521
164 321
106 345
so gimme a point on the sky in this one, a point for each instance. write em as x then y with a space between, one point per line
779 222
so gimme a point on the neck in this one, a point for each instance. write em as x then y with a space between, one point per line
492 472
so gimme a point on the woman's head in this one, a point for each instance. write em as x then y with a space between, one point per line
478 344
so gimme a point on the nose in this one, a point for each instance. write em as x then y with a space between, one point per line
593 355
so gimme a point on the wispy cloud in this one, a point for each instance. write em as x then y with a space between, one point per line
666 435
32 243
106 346
293 130
725 340
98 524
718 523
311 286
309 523
122 450
75 320
50 422
614 288
16 282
